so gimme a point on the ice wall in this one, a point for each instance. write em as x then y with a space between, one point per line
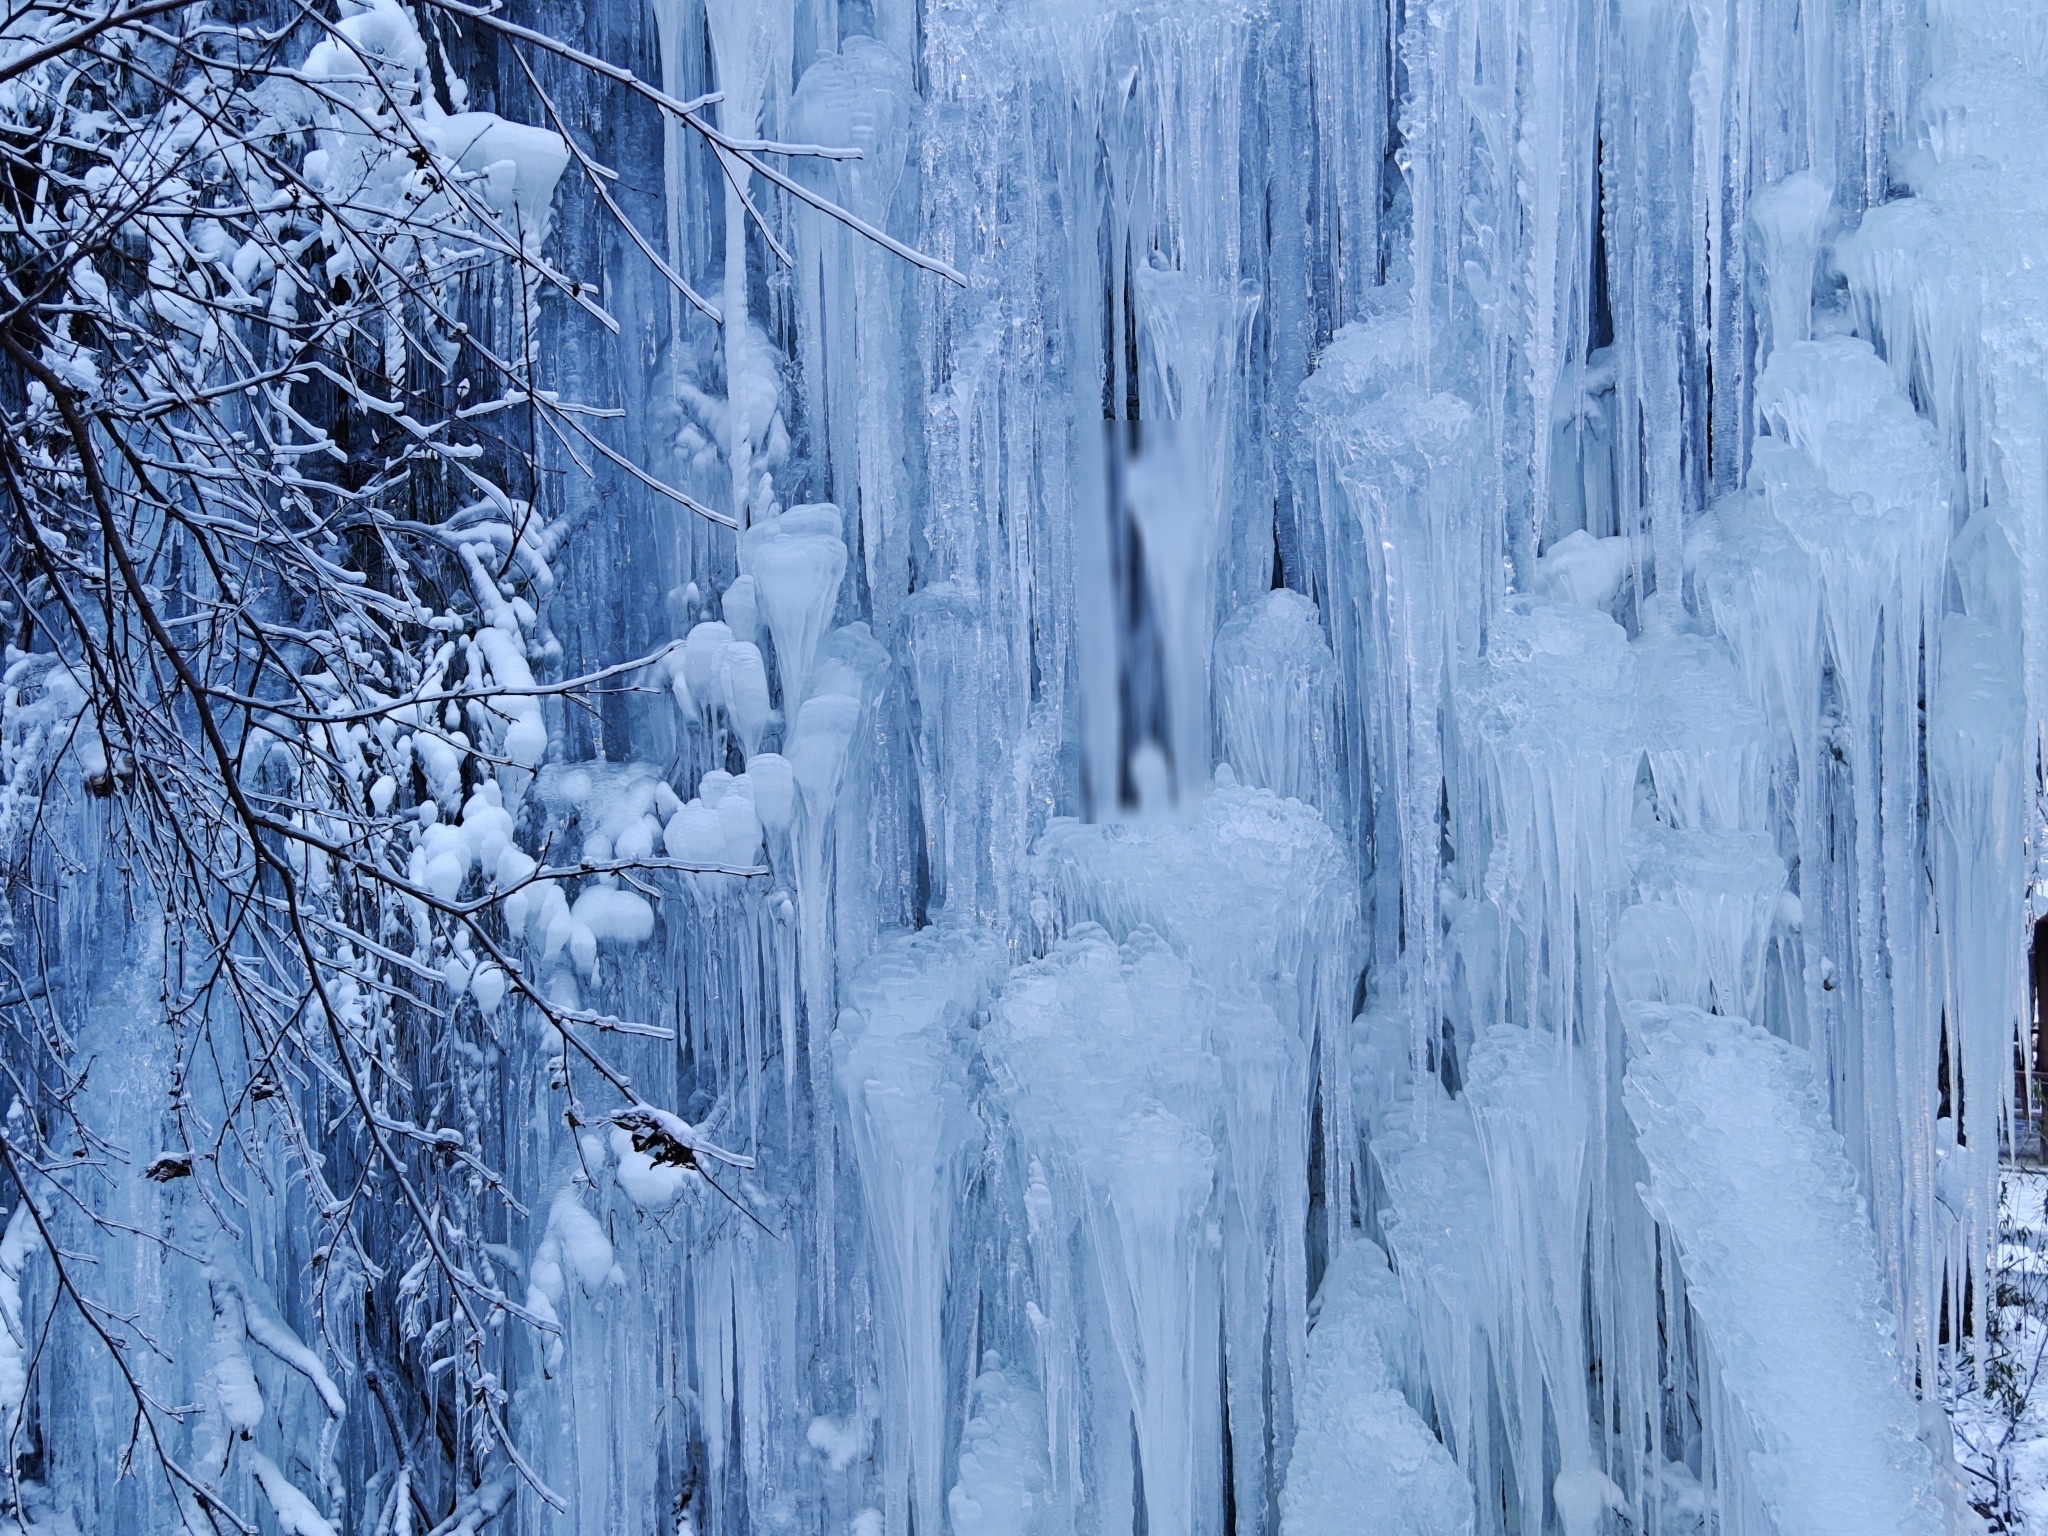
1365 819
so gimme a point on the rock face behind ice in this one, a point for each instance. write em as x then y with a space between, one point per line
1781 1271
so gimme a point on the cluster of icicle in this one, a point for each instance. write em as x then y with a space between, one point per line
1631 1198
1504 1028
1633 1192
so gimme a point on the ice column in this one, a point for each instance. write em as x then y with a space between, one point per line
1782 1273
850 301
1102 1055
900 1054
1547 769
1533 1111
1181 485
1789 219
1276 700
1975 745
1257 895
1414 576
1857 478
750 46
1950 284
1437 1218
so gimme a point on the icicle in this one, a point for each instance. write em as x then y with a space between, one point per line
1975 744
898 1050
1276 700
796 561
1789 218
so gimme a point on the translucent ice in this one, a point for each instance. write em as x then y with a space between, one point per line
901 1053
1549 756
1975 732
1728 885
1709 750
1001 1489
1579 568
1103 1052
1276 699
797 561
1789 218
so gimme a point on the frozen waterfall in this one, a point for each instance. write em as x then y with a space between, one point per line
1349 848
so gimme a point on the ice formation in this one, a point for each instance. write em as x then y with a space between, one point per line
1360 829
1754 1190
